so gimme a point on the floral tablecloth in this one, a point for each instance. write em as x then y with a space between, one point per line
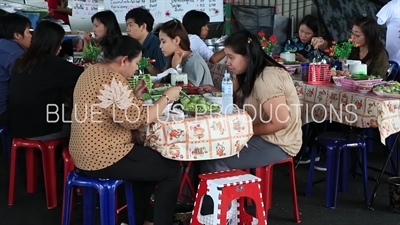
203 137
330 102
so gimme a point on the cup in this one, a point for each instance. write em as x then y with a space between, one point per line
304 71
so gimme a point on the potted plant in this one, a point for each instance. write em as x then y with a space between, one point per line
267 44
342 51
91 53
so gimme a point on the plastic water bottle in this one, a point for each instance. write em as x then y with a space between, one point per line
227 94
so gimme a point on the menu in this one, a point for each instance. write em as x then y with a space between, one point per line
84 8
163 11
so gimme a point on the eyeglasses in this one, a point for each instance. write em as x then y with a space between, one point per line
355 35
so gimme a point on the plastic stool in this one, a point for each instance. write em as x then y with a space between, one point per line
266 175
106 189
49 167
223 188
336 143
69 166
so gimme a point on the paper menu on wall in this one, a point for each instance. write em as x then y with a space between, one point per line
163 11
84 8
121 7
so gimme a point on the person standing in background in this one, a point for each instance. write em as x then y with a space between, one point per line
60 11
390 15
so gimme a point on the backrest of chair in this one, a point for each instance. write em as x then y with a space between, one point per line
393 71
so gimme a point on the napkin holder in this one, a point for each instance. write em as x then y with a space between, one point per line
288 56
358 69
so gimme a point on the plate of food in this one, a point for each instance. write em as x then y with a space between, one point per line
214 97
390 89
197 104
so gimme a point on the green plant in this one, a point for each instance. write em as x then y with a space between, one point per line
144 63
91 52
342 50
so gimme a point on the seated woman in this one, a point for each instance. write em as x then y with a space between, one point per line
107 109
195 23
366 34
307 41
39 82
266 91
104 23
175 45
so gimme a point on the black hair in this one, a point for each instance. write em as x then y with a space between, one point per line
141 16
245 43
371 32
46 40
109 20
194 20
115 46
312 23
13 23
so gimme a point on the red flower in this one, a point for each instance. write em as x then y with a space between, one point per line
168 13
272 38
333 42
152 60
261 34
264 43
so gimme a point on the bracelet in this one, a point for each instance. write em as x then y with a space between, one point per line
168 101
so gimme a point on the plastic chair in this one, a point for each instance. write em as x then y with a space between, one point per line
49 167
106 189
393 71
337 144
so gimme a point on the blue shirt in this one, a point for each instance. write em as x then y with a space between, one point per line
295 45
151 49
10 50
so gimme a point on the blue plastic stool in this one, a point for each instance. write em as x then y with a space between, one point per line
337 163
106 189
6 142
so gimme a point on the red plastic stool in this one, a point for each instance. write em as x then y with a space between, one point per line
266 174
69 166
49 168
223 188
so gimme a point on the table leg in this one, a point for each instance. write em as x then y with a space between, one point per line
378 181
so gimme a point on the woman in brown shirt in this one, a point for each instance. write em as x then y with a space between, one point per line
266 91
366 34
106 109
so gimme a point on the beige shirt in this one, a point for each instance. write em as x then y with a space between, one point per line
275 82
104 113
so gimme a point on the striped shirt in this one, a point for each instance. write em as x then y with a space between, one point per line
151 49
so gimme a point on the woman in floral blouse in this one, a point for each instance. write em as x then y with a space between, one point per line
307 40
106 110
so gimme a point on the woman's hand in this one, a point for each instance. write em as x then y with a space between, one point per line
87 37
173 93
300 58
140 88
208 88
177 59
317 42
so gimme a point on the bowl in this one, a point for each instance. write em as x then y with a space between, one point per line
337 80
211 98
365 87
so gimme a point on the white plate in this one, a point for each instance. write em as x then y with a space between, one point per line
211 98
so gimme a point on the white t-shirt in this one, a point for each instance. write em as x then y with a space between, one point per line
390 15
198 45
